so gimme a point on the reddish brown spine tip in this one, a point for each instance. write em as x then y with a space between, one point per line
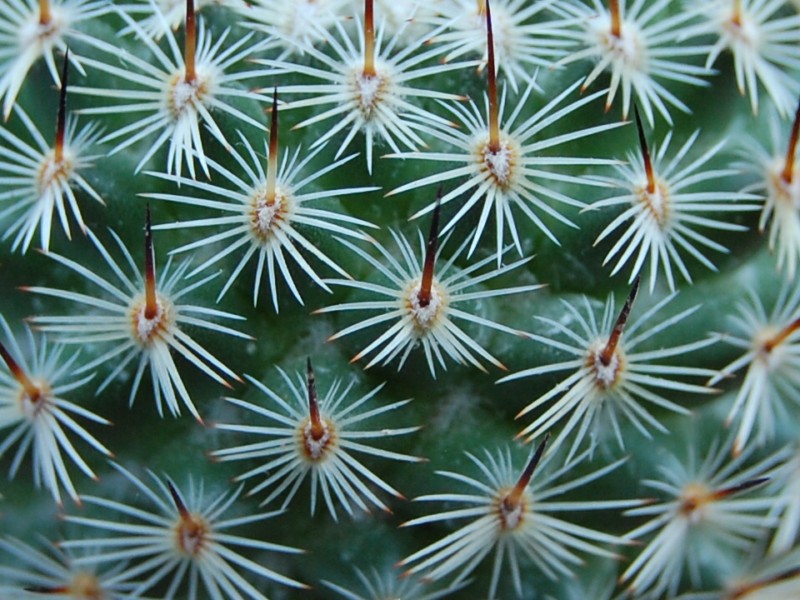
515 494
176 498
190 43
613 340
273 137
151 300
740 488
61 119
426 284
317 427
648 163
782 335
31 389
746 589
272 161
791 152
616 18
369 39
48 590
736 17
45 16
494 107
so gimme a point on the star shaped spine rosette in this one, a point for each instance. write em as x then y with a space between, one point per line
33 405
39 177
523 185
610 380
639 47
421 303
512 515
316 438
663 197
504 166
709 508
266 214
30 30
771 345
524 39
764 41
777 181
142 320
51 572
185 542
371 87
175 94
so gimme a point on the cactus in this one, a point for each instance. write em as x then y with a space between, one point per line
396 299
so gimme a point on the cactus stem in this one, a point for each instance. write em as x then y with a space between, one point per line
616 18
58 148
190 43
151 299
369 39
32 392
494 109
424 294
613 340
788 167
45 15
